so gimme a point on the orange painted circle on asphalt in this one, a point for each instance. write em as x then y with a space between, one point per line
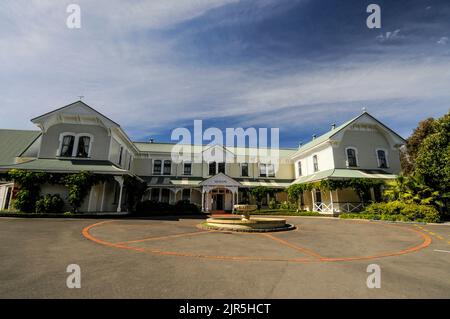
315 257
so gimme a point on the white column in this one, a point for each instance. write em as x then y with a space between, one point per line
103 197
331 199
119 179
232 201
91 193
203 201
313 200
337 200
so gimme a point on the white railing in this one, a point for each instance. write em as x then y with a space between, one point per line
351 207
323 207
331 207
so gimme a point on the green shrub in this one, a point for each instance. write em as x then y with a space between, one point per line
49 204
288 205
152 207
273 204
398 211
29 189
185 206
24 201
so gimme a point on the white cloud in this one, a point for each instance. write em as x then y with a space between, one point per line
138 80
442 41
390 36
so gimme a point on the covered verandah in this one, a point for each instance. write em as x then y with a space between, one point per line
343 200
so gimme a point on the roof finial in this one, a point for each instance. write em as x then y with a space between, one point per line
80 97
364 110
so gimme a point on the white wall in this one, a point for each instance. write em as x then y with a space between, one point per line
324 158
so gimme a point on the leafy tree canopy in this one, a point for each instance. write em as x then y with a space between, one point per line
409 154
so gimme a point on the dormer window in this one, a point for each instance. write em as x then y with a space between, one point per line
67 146
352 160
83 146
382 158
75 145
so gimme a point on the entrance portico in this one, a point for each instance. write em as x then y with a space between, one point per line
219 192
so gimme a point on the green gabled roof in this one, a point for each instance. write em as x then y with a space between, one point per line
15 142
167 148
326 136
343 173
333 132
67 166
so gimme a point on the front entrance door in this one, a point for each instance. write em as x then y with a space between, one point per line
219 201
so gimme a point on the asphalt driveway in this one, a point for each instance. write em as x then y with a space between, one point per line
172 258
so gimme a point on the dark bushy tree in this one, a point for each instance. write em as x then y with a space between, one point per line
260 192
433 158
135 189
409 154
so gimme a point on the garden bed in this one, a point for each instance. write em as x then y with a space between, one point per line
282 212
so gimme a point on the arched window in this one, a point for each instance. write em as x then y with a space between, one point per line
75 145
84 143
244 169
67 145
382 158
352 160
315 163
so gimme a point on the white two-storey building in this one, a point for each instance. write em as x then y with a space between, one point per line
78 138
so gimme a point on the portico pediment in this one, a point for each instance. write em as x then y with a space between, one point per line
220 180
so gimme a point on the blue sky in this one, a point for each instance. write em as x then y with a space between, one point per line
299 65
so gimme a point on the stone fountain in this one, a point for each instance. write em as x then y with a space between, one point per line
245 223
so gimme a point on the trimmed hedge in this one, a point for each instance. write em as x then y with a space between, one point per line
398 211
62 215
150 207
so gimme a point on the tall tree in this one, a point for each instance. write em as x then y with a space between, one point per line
408 154
433 158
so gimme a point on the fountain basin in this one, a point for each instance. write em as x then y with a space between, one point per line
247 225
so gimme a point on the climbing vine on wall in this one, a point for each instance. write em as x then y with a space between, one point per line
78 185
361 186
29 189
